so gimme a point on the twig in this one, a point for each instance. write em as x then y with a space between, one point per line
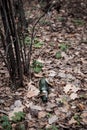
32 39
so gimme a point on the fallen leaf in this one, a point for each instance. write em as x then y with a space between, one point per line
71 87
84 117
52 95
64 55
53 119
62 74
38 75
72 121
41 114
70 77
36 107
81 107
48 126
2 101
67 88
52 73
61 115
40 60
75 89
73 96
29 116
32 91
50 105
47 39
18 103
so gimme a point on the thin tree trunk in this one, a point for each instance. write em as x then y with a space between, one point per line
12 49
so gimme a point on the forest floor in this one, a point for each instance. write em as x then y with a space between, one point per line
62 50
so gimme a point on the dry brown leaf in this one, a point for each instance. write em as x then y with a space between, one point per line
81 107
38 75
31 94
52 73
51 105
41 114
73 96
75 89
17 103
84 117
71 87
72 121
52 95
53 119
32 91
67 88
35 107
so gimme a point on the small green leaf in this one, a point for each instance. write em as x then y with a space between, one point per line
4 118
5 123
37 43
58 55
18 116
37 69
49 115
37 63
77 118
63 47
27 40
37 66
78 22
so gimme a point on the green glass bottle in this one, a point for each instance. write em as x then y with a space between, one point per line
44 89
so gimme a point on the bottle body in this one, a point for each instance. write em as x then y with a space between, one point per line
43 86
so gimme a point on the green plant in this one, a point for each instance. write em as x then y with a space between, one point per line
58 55
61 19
27 40
5 123
37 43
18 116
21 127
44 22
77 118
63 47
37 66
78 22
49 115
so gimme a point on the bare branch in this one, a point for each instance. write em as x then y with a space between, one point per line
32 40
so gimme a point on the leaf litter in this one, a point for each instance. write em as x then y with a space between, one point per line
67 76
